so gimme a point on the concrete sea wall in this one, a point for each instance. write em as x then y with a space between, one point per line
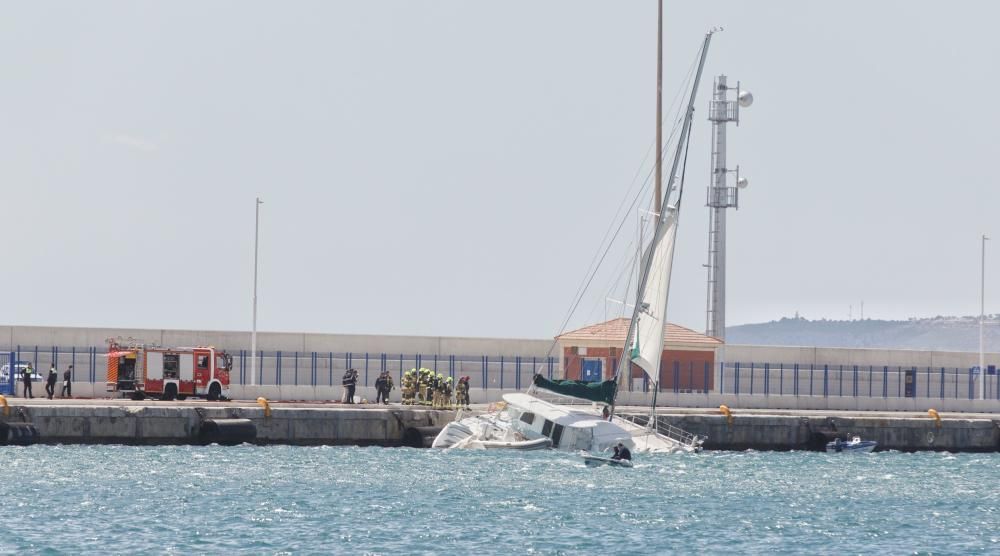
811 431
136 423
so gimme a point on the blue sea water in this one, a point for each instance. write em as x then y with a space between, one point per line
308 500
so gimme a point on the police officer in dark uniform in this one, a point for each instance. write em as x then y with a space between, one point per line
349 383
67 389
26 376
50 381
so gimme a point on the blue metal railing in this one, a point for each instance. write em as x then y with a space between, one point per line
283 368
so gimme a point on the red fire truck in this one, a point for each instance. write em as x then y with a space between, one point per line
138 370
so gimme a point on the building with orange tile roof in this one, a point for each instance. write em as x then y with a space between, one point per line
592 353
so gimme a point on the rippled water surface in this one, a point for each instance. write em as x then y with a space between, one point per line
116 499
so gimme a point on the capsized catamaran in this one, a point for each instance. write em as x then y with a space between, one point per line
527 419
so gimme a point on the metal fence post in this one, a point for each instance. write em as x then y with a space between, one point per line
501 372
781 378
736 380
885 381
722 377
795 379
855 388
767 379
751 377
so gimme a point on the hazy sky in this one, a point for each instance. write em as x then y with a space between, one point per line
450 167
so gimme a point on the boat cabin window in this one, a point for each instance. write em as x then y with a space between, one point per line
546 428
171 365
556 435
202 361
528 417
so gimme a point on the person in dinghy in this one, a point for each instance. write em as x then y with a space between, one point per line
622 453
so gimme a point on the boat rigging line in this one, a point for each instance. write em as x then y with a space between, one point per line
613 231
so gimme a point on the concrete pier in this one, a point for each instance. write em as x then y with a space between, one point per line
811 430
150 423
155 422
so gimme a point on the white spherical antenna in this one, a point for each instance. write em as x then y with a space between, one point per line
745 98
743 182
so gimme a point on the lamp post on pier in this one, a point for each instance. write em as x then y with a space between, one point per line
253 334
982 313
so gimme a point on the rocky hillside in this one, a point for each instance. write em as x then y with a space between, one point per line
938 333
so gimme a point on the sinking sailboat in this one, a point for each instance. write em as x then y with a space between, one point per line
527 417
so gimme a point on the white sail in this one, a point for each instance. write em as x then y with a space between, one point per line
647 344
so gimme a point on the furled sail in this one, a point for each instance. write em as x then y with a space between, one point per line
602 392
647 339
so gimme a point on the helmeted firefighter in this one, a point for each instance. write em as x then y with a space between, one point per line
409 386
462 392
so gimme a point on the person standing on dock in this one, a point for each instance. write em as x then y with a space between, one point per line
50 381
349 383
409 387
462 392
387 386
383 385
26 376
67 389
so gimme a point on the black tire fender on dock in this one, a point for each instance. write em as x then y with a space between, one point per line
420 437
227 432
18 434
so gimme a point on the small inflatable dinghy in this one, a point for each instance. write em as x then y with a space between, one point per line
597 461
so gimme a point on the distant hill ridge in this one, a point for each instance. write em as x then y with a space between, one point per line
937 333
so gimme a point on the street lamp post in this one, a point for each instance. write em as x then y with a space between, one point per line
982 312
253 334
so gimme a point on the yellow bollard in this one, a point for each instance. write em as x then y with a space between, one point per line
934 415
267 407
6 408
724 409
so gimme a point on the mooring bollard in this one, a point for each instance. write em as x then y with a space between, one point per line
724 409
267 407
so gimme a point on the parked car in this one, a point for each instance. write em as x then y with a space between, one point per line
18 369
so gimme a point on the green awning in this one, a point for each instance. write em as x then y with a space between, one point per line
603 392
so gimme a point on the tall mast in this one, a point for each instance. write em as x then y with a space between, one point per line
659 108
661 217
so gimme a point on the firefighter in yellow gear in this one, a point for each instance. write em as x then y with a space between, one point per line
462 392
409 386
425 387
447 393
434 388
